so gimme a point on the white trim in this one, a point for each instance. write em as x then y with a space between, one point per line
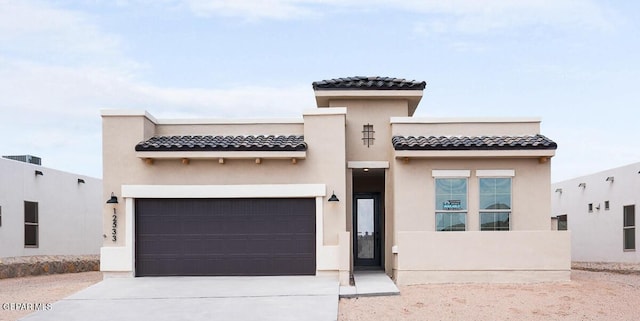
451 173
222 154
368 164
211 121
367 93
224 191
529 153
128 113
451 120
325 111
495 173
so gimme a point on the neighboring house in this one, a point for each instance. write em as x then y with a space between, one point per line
44 211
356 183
600 211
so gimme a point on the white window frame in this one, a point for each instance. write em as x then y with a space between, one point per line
452 174
485 211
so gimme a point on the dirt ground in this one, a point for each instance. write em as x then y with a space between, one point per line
589 296
42 289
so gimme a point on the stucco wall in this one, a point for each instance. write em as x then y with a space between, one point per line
324 132
597 236
68 212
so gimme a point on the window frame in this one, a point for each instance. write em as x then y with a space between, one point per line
35 224
628 227
482 211
464 212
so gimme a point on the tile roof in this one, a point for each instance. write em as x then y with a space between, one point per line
223 143
368 83
472 142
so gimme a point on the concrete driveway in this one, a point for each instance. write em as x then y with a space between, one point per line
201 298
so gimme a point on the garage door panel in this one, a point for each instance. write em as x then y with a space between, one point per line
225 236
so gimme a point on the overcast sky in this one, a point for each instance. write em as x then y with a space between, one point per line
575 64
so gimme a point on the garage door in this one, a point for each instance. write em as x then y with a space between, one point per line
225 237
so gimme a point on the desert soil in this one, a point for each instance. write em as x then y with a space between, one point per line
589 296
41 289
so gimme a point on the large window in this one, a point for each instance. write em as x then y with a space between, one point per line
495 204
451 204
629 227
30 224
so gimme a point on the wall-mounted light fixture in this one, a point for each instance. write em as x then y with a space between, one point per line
333 197
113 199
559 190
80 181
583 185
609 179
39 173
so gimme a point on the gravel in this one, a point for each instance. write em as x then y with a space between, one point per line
44 289
589 296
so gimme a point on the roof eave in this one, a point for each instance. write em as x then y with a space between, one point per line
413 96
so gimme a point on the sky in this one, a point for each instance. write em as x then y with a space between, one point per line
572 63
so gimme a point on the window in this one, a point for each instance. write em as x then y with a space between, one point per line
451 204
0 216
495 204
590 207
367 134
629 227
606 205
562 222
30 224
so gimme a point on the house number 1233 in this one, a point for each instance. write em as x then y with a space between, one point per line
114 228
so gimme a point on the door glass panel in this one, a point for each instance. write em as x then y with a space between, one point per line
365 228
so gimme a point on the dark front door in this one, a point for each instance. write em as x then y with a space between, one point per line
366 226
225 237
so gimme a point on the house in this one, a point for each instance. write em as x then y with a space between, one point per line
356 183
600 211
44 211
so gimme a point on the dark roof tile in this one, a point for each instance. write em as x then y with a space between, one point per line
223 143
472 142
368 83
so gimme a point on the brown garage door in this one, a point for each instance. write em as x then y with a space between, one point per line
225 237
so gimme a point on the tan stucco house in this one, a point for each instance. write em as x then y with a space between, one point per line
356 183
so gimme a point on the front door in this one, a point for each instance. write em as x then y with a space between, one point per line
366 226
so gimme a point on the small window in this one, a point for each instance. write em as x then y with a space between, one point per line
451 204
606 205
629 227
367 135
30 224
562 222
590 207
0 216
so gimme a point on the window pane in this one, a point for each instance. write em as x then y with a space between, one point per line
494 221
451 194
30 235
30 212
495 193
451 221
365 228
562 223
629 215
630 239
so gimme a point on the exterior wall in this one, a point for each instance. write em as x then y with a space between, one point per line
529 252
324 132
598 236
377 112
69 221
